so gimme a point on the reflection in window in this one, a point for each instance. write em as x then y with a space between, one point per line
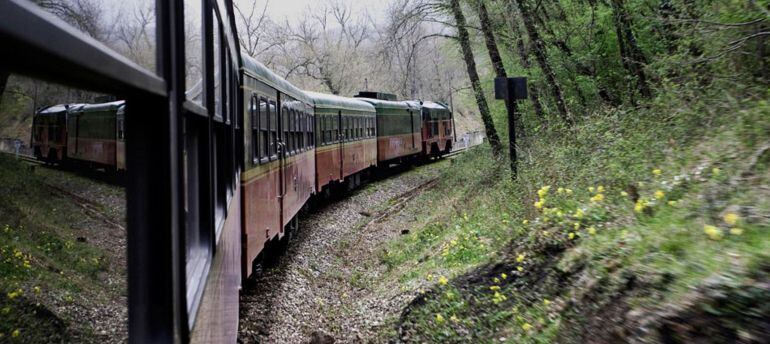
193 51
217 68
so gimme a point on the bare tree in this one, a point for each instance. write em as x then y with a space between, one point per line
255 29
327 45
82 14
134 36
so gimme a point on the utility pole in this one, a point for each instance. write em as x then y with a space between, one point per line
511 90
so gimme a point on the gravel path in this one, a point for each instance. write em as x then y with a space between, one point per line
323 285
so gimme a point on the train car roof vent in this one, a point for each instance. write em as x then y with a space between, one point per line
376 95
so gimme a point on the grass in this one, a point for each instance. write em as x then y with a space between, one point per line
42 262
579 264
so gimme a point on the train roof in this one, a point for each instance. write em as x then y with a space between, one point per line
55 109
435 110
102 106
387 104
258 71
330 101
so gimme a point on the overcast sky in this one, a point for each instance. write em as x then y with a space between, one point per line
278 10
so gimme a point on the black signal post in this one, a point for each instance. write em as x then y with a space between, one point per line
511 90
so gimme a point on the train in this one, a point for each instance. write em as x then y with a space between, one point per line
217 171
86 134
298 144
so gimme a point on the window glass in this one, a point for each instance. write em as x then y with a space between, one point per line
193 51
254 118
217 69
273 118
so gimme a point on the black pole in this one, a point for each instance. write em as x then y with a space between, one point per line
510 90
510 105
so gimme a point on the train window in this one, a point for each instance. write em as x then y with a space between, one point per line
285 129
311 133
254 118
264 128
193 52
217 69
273 118
303 130
297 126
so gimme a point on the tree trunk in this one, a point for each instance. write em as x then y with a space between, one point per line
3 81
489 39
633 57
470 63
542 60
524 57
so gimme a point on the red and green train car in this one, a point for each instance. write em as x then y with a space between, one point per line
86 134
345 130
437 129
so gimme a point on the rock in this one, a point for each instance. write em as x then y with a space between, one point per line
321 337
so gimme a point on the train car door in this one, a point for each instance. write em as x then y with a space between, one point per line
411 133
341 143
282 154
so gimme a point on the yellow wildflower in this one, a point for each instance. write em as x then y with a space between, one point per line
520 258
519 268
672 203
624 194
713 232
731 218
597 198
496 280
454 319
546 233
439 318
526 327
560 190
657 172
659 194
443 280
429 277
539 204
543 191
716 171
591 230
546 302
736 231
568 191
37 290
525 222
571 235
590 189
503 275
639 206
16 333
600 188
576 225
494 288
579 214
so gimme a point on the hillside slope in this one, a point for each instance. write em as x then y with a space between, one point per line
638 225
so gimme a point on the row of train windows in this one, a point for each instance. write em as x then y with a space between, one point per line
296 129
353 128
